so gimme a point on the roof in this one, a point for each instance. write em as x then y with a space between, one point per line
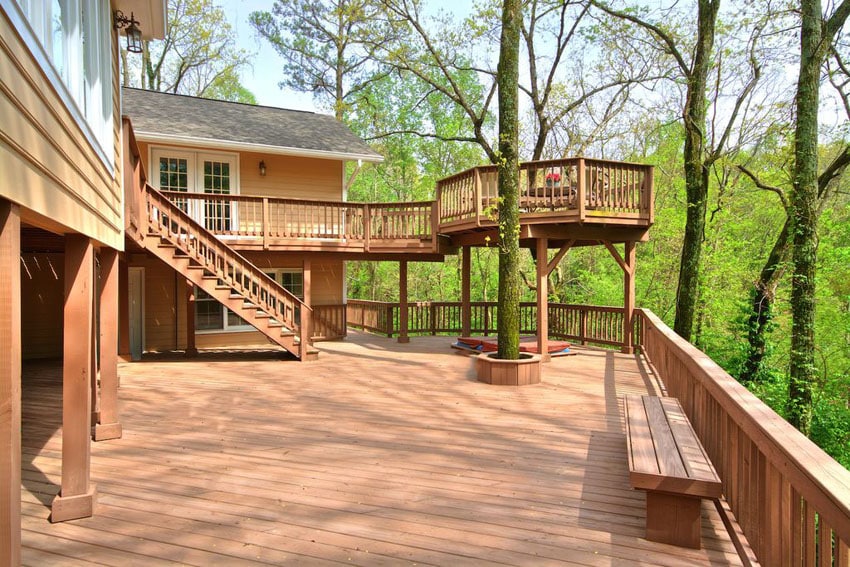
180 119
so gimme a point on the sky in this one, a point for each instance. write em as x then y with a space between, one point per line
267 70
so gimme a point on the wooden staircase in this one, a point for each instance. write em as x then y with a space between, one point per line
199 256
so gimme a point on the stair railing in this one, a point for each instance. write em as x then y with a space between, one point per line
168 220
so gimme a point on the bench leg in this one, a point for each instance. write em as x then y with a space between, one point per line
673 519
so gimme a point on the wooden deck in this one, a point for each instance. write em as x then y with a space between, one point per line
376 454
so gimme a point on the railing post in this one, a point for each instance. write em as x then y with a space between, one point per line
649 184
435 226
476 195
367 227
582 325
581 188
390 321
265 223
432 314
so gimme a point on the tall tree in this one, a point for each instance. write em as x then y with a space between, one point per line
324 48
197 57
507 77
816 37
701 149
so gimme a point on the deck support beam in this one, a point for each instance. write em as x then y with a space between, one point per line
627 264
402 308
191 298
465 304
543 299
77 496
10 383
107 425
628 298
306 318
124 311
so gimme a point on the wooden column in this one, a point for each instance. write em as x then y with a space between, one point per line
628 297
77 496
402 297
543 299
627 264
191 349
465 304
124 311
107 426
307 280
10 383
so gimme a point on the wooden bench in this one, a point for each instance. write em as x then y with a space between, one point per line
667 460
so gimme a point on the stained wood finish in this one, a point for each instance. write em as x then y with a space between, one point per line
377 454
792 500
667 460
579 323
10 383
78 495
108 426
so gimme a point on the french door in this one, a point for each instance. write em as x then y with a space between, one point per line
201 173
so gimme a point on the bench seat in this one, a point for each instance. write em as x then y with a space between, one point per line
667 460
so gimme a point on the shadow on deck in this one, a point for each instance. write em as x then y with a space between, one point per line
380 454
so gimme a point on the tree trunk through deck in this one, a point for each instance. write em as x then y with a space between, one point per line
77 496
507 77
10 384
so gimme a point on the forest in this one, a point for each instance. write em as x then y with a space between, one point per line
742 107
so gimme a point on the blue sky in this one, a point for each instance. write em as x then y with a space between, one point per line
267 70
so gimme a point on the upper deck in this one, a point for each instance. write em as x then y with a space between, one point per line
581 199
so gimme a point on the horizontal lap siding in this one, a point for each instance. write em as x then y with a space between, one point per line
46 163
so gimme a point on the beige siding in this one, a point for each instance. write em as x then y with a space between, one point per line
286 176
46 163
42 297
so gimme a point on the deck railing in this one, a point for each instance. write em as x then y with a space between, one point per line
328 322
578 187
271 220
790 498
585 324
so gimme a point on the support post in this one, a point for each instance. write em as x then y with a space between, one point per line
107 426
465 304
306 318
543 299
10 383
77 496
191 349
124 311
628 297
402 308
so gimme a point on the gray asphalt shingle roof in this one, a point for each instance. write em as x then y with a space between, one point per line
156 114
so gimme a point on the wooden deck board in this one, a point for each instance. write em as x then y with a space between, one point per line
376 454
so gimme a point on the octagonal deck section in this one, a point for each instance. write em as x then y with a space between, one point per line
379 453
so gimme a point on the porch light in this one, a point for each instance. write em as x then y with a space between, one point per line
134 34
262 168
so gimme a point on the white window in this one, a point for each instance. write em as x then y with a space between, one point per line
206 173
72 41
212 316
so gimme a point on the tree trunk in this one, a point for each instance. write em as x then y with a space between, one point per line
696 171
804 197
509 280
761 305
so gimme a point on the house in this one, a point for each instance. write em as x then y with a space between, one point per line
61 223
227 157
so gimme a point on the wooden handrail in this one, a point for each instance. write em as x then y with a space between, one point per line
168 220
791 499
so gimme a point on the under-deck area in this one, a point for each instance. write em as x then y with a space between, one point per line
379 454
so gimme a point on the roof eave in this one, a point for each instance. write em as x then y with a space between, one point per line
143 136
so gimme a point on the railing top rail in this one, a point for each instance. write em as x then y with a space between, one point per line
814 475
542 164
241 197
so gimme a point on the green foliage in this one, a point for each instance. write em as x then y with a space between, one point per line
197 57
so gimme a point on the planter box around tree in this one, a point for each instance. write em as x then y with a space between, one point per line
492 370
